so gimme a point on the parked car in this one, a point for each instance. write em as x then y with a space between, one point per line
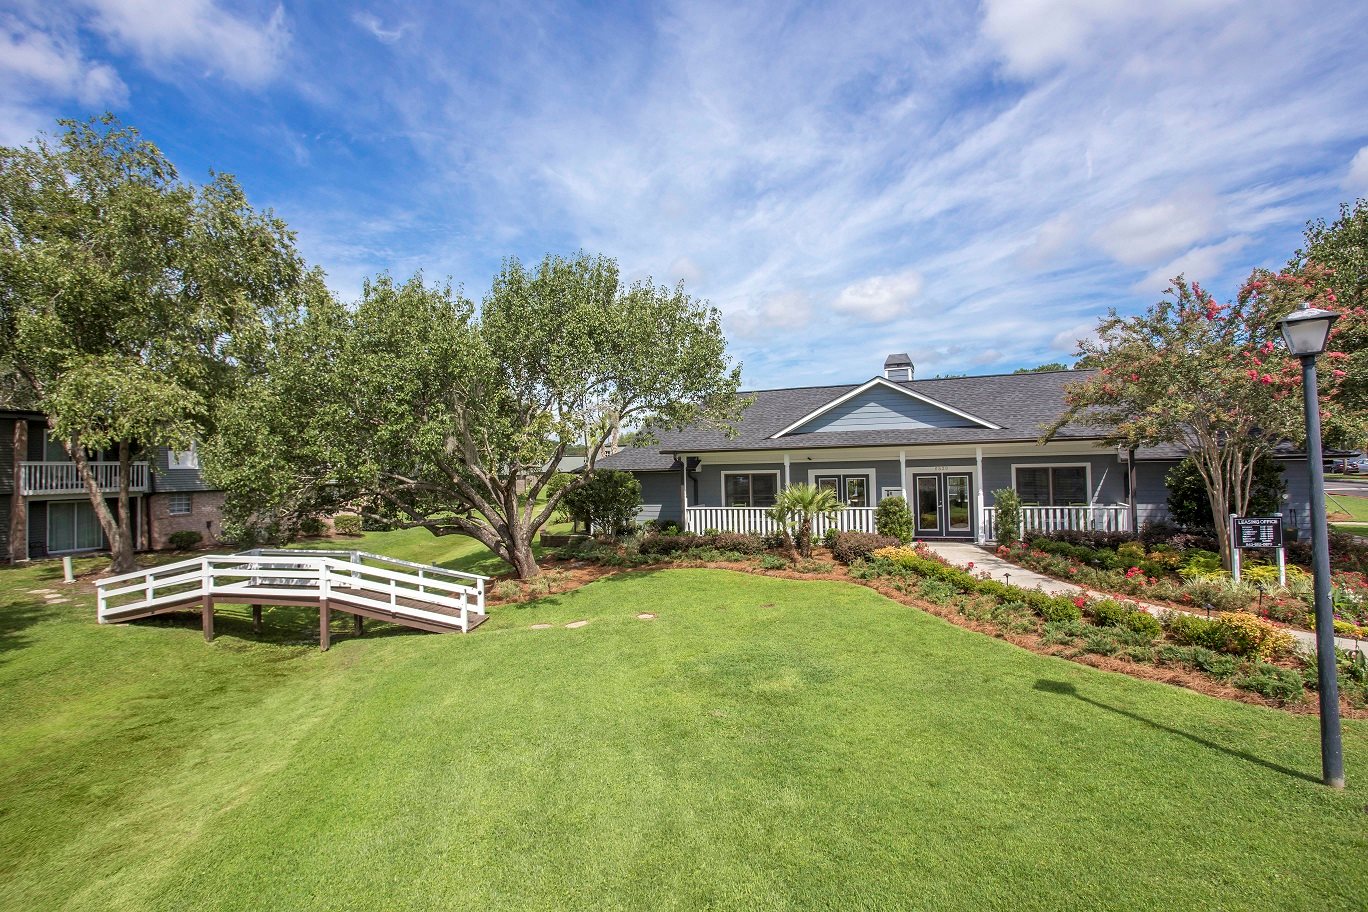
1349 465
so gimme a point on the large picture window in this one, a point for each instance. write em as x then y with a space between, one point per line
1052 486
749 489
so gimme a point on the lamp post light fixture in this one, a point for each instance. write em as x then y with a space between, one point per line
1305 332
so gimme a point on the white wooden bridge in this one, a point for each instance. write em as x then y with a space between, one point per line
359 583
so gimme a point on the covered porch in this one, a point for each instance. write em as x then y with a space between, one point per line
948 488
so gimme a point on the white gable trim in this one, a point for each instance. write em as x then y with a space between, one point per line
880 381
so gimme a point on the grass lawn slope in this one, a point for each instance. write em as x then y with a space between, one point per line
762 744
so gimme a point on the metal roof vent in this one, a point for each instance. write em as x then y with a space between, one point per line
898 367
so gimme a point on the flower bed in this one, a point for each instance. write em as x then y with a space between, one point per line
1192 578
1235 648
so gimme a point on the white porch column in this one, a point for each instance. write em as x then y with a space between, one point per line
902 477
786 470
978 495
684 492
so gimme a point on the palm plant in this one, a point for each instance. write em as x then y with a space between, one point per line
797 506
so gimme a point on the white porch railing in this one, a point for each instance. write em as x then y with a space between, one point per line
1044 520
63 478
757 520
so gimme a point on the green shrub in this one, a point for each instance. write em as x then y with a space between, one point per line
1190 630
1281 684
1110 613
773 562
938 591
663 543
828 537
1246 635
1006 515
609 501
1133 552
1100 642
893 519
1214 663
311 527
739 543
185 539
1199 561
853 546
347 524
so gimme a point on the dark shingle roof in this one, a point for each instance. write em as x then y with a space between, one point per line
1021 405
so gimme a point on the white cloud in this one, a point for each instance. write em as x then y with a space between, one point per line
39 68
1356 181
45 63
785 312
880 298
371 23
195 32
1197 264
1067 341
1147 233
1034 35
814 148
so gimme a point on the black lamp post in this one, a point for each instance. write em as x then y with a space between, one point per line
1305 332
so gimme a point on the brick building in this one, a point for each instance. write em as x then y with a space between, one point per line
45 510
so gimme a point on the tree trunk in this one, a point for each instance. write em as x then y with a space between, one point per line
523 560
805 536
116 531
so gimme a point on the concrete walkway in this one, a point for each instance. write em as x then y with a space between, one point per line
962 554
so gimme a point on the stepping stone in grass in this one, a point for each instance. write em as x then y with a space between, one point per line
574 625
646 617
41 592
541 626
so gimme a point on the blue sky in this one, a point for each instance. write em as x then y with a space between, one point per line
971 183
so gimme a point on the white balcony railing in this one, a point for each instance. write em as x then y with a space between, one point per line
1044 520
757 520
38 478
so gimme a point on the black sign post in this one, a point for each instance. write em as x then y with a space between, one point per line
1256 533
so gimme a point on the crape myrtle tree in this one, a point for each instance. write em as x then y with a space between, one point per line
1334 256
422 410
1211 378
129 299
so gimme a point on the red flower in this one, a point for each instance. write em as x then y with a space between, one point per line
970 566
1266 379
1337 372
1080 602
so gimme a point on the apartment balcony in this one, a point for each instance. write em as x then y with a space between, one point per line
38 479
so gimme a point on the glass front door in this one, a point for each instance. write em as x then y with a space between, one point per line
928 505
944 505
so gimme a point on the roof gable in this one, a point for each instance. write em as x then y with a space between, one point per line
881 405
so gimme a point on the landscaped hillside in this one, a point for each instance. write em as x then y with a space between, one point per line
760 744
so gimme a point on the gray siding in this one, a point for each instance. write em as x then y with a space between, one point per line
881 408
166 480
1153 495
660 496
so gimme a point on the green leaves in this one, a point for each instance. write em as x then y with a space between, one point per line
426 413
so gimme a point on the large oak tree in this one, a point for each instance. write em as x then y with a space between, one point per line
423 410
130 299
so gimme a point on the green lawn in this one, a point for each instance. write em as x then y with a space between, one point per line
1350 514
764 744
455 552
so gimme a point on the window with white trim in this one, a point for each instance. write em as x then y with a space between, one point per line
183 459
178 504
1052 486
749 489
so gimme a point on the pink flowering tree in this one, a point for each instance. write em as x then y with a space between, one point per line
1212 379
